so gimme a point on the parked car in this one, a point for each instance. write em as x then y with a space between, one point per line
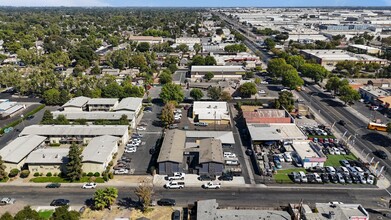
207 177
173 126
89 186
330 170
381 154
355 178
176 215
362 179
317 178
352 170
232 162
121 171
7 201
277 163
59 202
325 177
53 185
176 176
359 170
295 177
303 177
226 177
166 202
287 157
211 185
30 117
141 129
148 109
311 178
229 155
130 150
371 179
340 177
333 178
174 185
348 179
344 163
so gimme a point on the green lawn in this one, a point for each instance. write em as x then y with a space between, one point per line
282 175
333 160
46 214
56 179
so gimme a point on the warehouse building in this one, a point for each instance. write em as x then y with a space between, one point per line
364 49
219 72
211 112
98 153
309 153
79 134
15 153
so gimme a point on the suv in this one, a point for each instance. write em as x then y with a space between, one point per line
381 154
166 202
226 177
342 122
207 177
59 202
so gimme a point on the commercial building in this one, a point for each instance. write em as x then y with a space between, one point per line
47 160
193 151
336 210
235 59
332 57
309 153
146 39
363 49
219 72
259 115
211 112
280 132
210 210
15 153
80 134
9 109
373 94
99 152
190 41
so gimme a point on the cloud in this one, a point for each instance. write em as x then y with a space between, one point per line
52 3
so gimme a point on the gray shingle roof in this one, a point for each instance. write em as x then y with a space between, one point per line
211 151
19 148
130 104
75 130
48 156
102 101
99 149
94 115
172 146
77 102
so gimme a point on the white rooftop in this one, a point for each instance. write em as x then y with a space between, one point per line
102 101
79 101
94 115
75 130
99 148
19 148
341 55
364 47
48 156
226 137
217 69
304 149
275 132
211 110
130 104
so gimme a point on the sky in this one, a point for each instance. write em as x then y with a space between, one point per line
195 3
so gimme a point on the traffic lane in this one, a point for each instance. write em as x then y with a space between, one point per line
370 114
242 197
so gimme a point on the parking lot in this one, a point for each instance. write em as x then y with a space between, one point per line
142 160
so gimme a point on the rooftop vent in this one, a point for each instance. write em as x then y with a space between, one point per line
43 155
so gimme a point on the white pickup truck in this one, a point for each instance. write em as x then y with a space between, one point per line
175 185
211 185
7 201
176 176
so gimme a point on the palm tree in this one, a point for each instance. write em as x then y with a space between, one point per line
111 195
105 197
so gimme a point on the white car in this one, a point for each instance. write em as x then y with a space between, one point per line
121 171
264 82
130 149
141 128
177 111
136 140
89 186
287 157
211 185
317 178
261 92
370 179
336 151
232 162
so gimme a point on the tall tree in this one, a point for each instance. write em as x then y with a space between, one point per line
3 174
123 120
314 71
47 118
214 93
167 115
348 94
74 166
172 92
196 94
197 47
27 213
6 216
296 61
52 97
208 76
105 198
144 192
285 99
62 213
165 78
291 79
247 89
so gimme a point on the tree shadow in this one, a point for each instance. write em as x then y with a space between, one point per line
129 203
333 103
377 139
89 202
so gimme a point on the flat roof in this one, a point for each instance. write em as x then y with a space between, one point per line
275 132
19 148
13 109
217 69
79 101
49 155
75 130
6 105
226 137
340 55
304 149
341 211
99 149
94 115
364 47
130 104
211 110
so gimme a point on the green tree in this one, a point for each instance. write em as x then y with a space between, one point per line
285 100
208 76
210 61
197 47
61 120
167 115
113 90
47 118
291 79
196 94
172 92
247 89
275 65
143 47
6 216
74 166
62 213
257 81
334 83
225 96
104 198
214 93
296 61
348 94
198 60
314 71
165 78
123 120
52 97
183 48
270 44
95 70
249 75
3 174
27 213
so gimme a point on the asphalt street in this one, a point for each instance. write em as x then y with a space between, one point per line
232 197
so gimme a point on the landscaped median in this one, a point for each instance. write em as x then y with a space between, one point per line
56 179
282 176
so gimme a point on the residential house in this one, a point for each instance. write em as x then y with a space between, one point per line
99 152
47 160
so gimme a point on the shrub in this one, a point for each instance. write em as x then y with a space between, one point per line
36 174
84 174
97 174
90 174
105 178
111 176
24 173
111 164
55 174
49 174
41 174
13 173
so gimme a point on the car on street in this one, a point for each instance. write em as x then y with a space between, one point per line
141 129
174 185
59 202
30 117
261 92
121 171
89 186
7 201
249 152
176 176
166 202
148 109
226 177
130 150
211 185
53 185
207 177
342 122
381 154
